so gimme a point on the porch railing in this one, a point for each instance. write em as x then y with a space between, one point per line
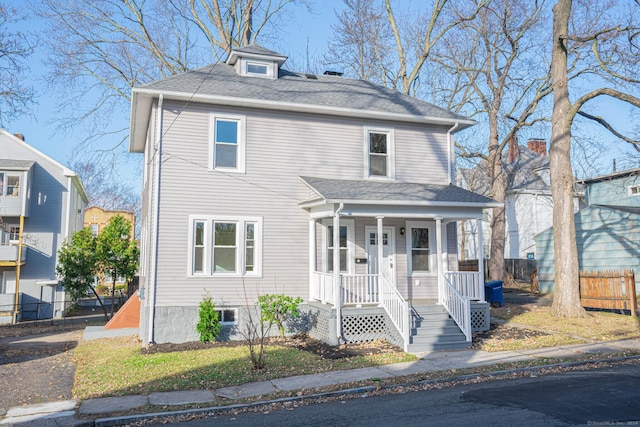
322 287
397 309
458 306
467 283
360 289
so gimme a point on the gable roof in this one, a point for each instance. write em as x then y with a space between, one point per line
291 91
611 176
392 193
65 170
522 174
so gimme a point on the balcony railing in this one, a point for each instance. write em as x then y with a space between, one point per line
9 253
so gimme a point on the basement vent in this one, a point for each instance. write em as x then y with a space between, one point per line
311 76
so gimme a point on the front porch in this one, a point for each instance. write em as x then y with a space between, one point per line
368 309
386 246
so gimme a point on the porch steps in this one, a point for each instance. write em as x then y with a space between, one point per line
433 329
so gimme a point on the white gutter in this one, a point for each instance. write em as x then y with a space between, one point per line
450 149
152 284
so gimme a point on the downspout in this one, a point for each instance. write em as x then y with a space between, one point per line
337 298
154 275
450 149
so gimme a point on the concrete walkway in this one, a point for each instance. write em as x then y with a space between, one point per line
65 413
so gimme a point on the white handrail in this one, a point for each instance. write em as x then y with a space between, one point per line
397 309
467 283
458 306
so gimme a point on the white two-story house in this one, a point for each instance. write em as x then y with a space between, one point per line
261 180
41 204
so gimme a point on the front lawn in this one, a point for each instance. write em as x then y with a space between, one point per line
119 366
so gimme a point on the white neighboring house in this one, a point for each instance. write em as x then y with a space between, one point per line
528 202
262 180
42 201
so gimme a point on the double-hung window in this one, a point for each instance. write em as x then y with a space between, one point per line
420 247
225 246
227 143
379 154
345 246
9 185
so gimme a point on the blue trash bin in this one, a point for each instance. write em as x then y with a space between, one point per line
493 293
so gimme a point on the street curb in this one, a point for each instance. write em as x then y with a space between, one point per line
117 421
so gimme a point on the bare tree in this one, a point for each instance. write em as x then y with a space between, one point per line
102 48
15 48
392 49
603 41
497 58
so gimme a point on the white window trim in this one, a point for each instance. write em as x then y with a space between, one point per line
433 261
240 222
351 243
221 309
391 148
241 161
631 187
242 68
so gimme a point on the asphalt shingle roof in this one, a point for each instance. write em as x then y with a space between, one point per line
15 164
299 88
355 191
629 209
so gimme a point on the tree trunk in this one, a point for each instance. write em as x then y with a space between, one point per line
498 187
113 292
566 298
106 315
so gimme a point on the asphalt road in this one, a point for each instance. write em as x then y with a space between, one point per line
608 396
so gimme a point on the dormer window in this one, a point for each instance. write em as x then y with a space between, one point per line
256 61
255 68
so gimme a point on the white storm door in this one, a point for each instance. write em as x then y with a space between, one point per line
388 252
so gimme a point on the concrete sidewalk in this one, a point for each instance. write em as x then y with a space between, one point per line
65 413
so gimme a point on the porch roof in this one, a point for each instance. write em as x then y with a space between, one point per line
331 191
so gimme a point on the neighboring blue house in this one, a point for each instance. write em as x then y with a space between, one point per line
41 203
607 230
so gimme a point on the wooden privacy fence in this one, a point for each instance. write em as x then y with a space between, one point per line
613 290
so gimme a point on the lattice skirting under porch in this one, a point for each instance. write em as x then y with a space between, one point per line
358 325
480 316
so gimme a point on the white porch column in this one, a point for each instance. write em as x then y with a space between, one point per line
312 258
337 288
480 259
439 258
380 242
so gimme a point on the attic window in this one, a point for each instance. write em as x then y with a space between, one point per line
259 69
634 190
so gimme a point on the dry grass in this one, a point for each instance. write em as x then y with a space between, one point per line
118 366
532 326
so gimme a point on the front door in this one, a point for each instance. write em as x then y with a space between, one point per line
388 252
8 284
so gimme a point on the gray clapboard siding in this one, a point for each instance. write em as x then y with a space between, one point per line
280 147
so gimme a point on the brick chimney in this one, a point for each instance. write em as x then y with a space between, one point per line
19 135
513 149
538 146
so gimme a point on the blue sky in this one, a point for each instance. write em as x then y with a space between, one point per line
41 131
304 27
